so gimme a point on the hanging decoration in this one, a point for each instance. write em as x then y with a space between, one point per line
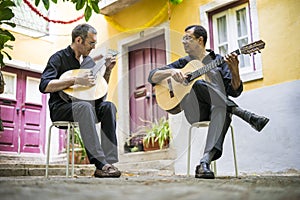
176 1
34 9
155 20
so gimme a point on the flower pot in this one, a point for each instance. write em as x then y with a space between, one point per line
155 146
78 158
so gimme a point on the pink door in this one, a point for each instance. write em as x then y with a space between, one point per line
22 109
142 58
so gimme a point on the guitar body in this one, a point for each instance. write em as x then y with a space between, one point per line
88 93
170 93
169 102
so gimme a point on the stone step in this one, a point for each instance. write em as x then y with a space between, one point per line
39 170
159 167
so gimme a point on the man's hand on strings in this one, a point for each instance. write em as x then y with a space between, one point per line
178 76
233 63
110 62
85 78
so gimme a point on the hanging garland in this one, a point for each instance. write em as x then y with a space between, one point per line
152 22
46 18
155 20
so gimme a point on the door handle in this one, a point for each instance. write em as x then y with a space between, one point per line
140 93
23 110
18 110
148 95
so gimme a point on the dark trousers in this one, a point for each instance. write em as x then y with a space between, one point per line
87 114
207 103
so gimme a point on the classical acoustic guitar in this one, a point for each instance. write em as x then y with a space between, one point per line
170 93
88 93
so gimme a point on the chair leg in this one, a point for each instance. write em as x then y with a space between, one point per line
189 152
68 150
48 152
234 152
72 165
214 167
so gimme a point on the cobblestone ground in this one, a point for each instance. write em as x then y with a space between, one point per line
150 187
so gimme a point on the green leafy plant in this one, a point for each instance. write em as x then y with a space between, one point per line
159 131
176 1
88 5
78 143
6 14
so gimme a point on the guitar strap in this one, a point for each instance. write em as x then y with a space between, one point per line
87 63
211 56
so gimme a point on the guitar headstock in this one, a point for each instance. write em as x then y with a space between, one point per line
253 47
112 52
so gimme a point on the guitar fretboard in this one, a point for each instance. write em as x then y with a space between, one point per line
98 66
206 68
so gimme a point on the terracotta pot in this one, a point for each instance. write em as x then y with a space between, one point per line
78 158
155 146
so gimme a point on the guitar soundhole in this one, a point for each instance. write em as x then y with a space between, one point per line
188 78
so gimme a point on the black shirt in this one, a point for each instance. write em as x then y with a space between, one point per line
58 63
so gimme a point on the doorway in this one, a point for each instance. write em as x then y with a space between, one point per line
23 111
144 57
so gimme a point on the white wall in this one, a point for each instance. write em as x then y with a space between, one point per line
275 149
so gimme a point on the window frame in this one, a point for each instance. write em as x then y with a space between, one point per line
232 36
12 84
216 6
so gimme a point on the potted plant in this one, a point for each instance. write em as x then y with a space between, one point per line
80 156
134 143
157 135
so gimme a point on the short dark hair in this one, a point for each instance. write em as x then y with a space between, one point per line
82 30
198 32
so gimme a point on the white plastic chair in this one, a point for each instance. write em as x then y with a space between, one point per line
70 131
206 124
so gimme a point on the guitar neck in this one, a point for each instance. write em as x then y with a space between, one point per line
98 66
102 62
206 68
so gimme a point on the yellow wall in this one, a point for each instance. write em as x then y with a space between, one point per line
279 23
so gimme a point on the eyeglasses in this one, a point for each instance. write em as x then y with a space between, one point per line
92 44
187 38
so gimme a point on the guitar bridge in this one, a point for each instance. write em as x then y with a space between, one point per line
171 91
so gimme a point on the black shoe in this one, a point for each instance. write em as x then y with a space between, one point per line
203 171
258 122
108 171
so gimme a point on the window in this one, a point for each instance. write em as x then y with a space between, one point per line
231 31
27 20
230 28
10 88
32 84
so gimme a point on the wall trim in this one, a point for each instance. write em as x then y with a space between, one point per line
123 73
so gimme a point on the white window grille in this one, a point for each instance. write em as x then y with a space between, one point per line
26 19
231 31
228 25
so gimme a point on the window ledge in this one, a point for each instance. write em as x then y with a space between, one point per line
111 7
251 76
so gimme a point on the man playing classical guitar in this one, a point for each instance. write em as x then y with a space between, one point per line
208 99
86 113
